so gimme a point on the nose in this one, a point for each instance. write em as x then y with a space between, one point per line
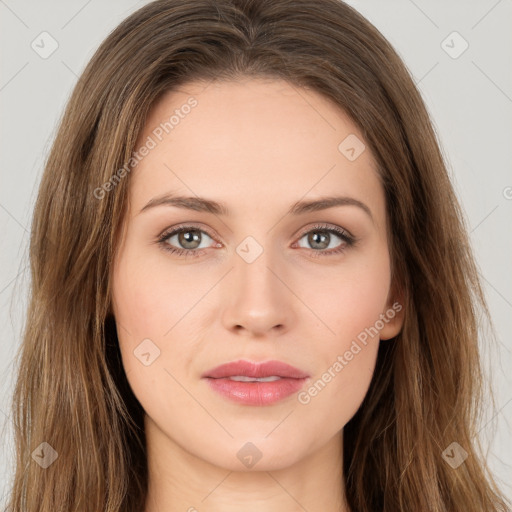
259 299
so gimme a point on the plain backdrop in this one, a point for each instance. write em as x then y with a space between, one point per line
464 77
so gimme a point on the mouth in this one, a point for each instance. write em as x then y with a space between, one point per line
256 384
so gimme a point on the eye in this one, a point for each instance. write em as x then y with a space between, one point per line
185 240
192 241
323 237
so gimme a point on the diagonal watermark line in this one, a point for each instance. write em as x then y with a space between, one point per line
14 278
301 300
3 3
216 486
19 273
119 324
485 15
492 211
284 489
298 92
500 341
69 69
192 396
305 194
199 300
76 14
494 416
424 14
14 76
492 81
495 289
13 217
418 82
280 423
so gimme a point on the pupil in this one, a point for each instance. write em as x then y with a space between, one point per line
317 238
189 239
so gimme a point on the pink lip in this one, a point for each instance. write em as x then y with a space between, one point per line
256 393
256 370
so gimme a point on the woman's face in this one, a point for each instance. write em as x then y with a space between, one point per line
263 271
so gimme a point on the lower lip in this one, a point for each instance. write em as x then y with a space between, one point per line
256 393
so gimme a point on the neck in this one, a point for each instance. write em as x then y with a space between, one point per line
180 481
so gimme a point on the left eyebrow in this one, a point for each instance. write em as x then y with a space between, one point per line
324 203
202 204
199 204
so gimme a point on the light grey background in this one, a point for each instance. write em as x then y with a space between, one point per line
469 98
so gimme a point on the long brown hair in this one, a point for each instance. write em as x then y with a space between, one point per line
71 390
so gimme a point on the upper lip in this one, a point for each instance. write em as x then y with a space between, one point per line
255 370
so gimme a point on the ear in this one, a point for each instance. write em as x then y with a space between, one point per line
393 316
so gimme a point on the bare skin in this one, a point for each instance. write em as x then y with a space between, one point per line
258 146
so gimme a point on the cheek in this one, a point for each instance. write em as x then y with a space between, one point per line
347 361
145 308
333 396
351 305
150 297
353 297
150 306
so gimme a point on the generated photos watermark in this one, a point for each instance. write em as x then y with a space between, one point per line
304 397
157 135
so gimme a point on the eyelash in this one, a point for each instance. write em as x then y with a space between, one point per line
350 241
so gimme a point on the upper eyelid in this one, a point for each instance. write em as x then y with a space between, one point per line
327 227
174 230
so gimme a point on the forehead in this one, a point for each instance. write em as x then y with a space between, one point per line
251 112
253 138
